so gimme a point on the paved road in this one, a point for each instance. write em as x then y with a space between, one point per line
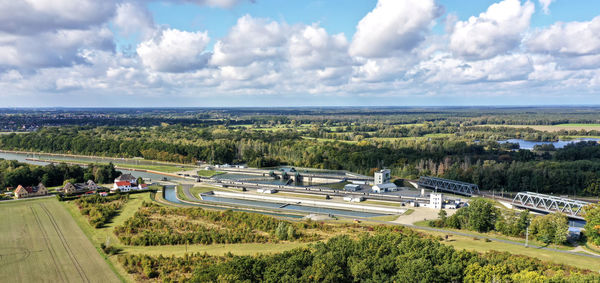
187 193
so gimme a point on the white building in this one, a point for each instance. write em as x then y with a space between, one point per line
435 201
123 186
382 188
353 199
382 176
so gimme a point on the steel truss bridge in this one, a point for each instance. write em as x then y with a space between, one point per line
546 203
451 186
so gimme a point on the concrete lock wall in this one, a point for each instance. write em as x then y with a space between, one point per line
316 203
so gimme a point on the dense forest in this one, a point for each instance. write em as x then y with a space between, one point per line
382 257
466 144
13 173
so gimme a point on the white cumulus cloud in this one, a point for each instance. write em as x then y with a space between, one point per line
173 50
567 39
393 26
494 32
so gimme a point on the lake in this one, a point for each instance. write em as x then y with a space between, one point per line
523 144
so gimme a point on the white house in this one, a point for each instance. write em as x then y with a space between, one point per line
142 186
123 186
382 188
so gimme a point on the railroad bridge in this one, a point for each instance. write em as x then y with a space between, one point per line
451 186
546 203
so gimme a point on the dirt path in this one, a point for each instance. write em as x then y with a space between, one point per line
420 214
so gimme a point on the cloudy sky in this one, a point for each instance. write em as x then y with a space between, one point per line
298 52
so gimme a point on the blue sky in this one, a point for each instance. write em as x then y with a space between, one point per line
272 52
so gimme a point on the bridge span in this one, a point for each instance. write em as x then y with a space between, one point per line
451 186
546 203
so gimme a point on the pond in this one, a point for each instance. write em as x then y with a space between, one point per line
523 144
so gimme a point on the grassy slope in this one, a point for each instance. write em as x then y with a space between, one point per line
54 247
467 243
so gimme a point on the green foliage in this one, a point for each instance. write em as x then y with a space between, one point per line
480 215
383 257
13 173
110 250
450 143
100 210
550 228
513 226
155 225
592 226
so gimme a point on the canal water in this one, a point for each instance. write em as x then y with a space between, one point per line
171 195
21 157
292 207
523 144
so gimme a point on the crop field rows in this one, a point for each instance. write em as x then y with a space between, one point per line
40 242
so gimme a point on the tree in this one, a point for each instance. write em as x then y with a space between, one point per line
592 226
551 228
593 188
140 180
442 215
481 215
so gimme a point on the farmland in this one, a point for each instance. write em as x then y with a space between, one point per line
39 241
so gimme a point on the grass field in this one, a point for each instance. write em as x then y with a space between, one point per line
195 191
217 249
40 242
467 243
209 173
105 234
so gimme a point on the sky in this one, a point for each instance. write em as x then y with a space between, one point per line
219 53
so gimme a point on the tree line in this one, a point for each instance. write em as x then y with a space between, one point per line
13 173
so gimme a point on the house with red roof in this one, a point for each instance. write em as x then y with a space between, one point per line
122 186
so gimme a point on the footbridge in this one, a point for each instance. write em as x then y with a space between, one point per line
451 186
546 203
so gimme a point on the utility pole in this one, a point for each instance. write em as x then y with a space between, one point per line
527 237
